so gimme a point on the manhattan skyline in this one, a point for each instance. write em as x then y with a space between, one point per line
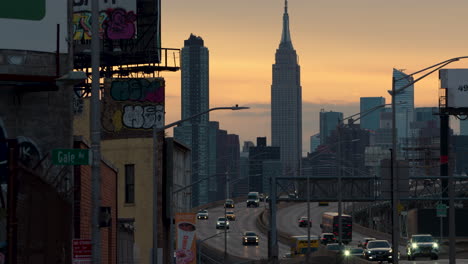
347 51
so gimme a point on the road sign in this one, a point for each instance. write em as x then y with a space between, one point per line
441 210
71 157
82 251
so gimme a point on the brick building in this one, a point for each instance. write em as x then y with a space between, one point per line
82 211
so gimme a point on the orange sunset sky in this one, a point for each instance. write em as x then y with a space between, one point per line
346 49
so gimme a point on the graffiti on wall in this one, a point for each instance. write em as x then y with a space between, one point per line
132 107
117 19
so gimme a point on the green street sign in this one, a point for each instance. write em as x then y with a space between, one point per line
71 157
441 210
24 9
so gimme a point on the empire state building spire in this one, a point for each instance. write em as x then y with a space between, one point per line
286 35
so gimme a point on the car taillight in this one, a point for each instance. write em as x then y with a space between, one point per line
335 233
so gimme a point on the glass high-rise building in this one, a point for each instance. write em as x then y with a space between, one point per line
328 124
195 99
404 103
371 120
286 102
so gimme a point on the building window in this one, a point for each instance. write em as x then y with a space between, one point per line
129 183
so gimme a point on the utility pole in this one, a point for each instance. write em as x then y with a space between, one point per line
340 195
446 180
394 177
225 218
273 236
95 134
308 218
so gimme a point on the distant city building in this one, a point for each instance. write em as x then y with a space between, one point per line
422 114
314 142
195 99
463 127
257 156
247 145
286 102
224 159
241 187
371 120
404 103
328 123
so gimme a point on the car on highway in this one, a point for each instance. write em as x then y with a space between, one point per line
335 247
249 237
202 214
327 238
229 203
231 216
253 199
378 250
222 223
302 221
422 245
363 243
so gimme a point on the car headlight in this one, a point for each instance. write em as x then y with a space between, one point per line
369 252
414 245
390 251
435 245
346 253
256 239
245 239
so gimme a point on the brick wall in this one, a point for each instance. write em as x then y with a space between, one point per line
83 206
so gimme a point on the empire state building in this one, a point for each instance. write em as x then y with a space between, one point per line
286 102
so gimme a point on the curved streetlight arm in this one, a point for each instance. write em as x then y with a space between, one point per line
438 65
199 114
418 79
363 113
435 65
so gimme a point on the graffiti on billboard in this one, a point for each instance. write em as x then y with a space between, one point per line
132 107
141 90
117 19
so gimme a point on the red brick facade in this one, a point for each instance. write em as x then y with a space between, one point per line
83 206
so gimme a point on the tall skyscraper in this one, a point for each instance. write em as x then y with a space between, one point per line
371 120
405 104
286 102
195 99
328 123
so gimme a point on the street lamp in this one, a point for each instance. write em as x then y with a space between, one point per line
395 198
308 198
340 195
157 130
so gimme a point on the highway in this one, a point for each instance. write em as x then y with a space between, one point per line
287 223
246 218
287 219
